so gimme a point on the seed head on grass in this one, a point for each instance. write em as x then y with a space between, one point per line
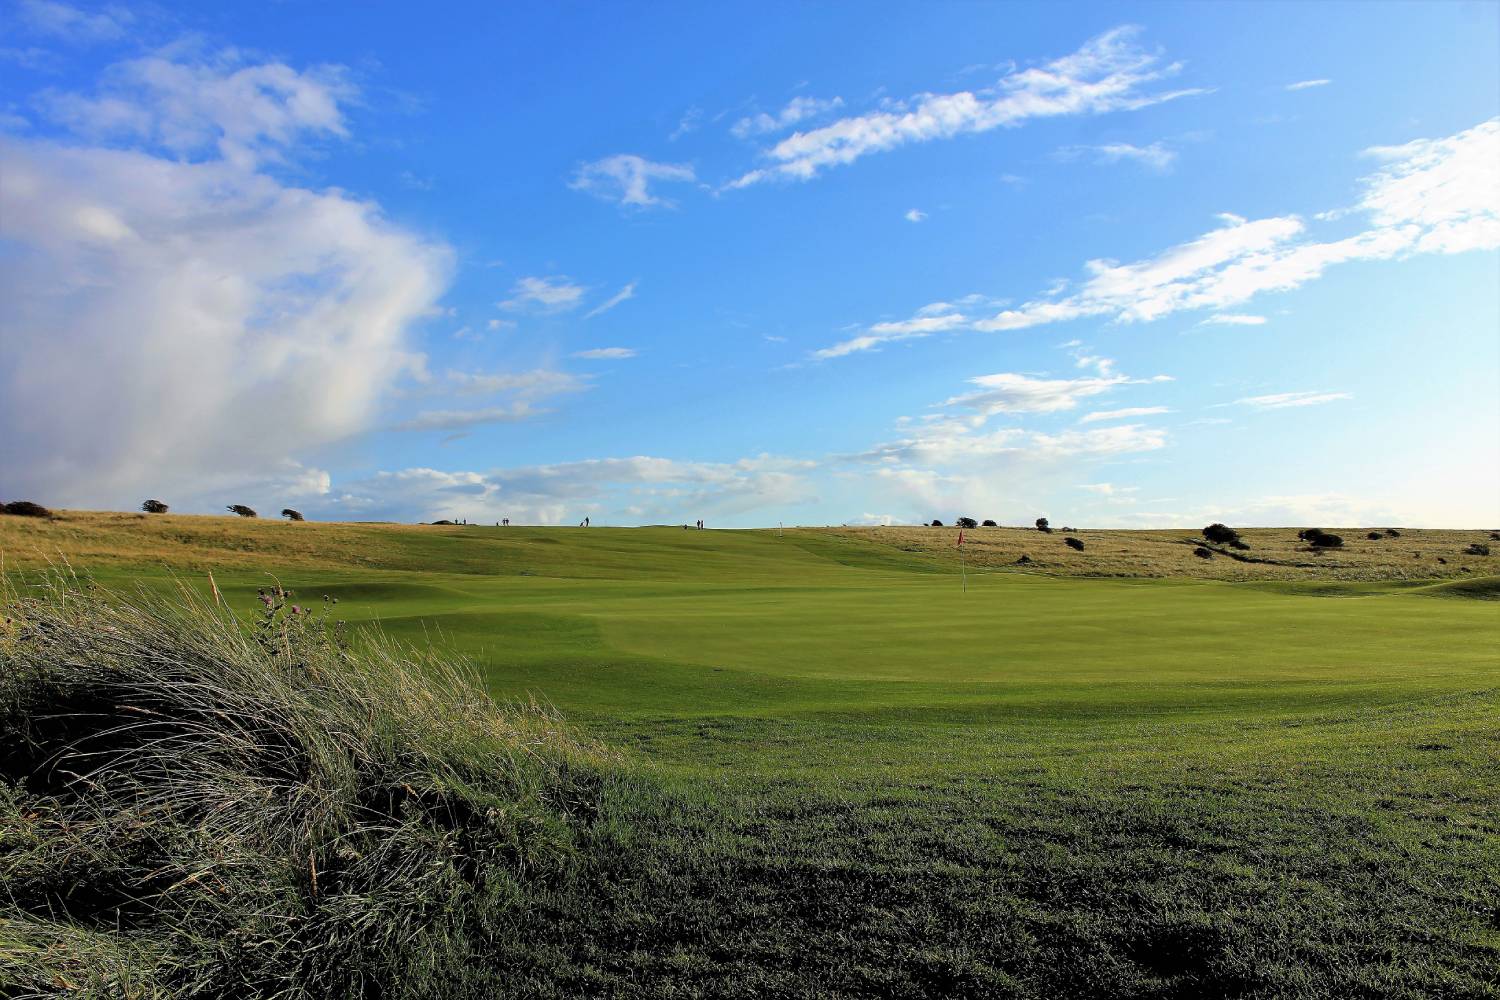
197 805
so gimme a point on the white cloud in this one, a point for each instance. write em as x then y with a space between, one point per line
689 122
438 420
1108 73
551 294
643 488
202 319
924 324
628 292
1127 413
626 179
214 106
501 324
1156 156
1108 489
797 110
915 215
1012 392
606 353
1443 194
1283 400
1307 84
1233 319
63 21
1430 196
532 384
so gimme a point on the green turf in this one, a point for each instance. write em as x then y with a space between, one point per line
850 778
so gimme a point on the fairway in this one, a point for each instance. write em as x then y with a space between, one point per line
1042 785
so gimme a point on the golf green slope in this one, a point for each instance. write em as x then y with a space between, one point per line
844 775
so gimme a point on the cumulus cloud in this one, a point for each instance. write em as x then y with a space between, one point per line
797 110
550 294
175 321
915 215
1109 73
626 179
1427 196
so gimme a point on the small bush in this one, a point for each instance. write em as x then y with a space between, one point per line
241 510
1374 536
935 523
155 507
1318 538
291 515
1221 534
1477 549
1202 553
1241 544
967 522
1392 533
990 524
25 508
1067 529
1074 543
1043 525
1494 535
1023 560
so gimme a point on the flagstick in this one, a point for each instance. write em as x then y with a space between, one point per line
963 566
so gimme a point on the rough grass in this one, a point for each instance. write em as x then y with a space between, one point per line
187 542
1274 553
195 807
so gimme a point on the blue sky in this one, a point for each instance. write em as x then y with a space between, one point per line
820 264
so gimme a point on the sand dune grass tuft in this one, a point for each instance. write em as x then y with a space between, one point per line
194 805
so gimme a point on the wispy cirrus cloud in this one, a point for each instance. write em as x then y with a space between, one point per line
624 294
447 420
1234 319
915 215
1108 73
1128 413
1156 156
60 20
606 354
544 294
626 180
1428 196
796 111
1307 84
1014 392
1285 400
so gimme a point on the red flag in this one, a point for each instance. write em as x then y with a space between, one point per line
960 537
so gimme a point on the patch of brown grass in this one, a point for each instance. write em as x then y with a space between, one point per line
1169 553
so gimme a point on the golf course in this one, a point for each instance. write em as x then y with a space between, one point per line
841 764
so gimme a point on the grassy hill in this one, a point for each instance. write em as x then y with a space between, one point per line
1116 772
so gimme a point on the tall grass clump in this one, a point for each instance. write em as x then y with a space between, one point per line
198 804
